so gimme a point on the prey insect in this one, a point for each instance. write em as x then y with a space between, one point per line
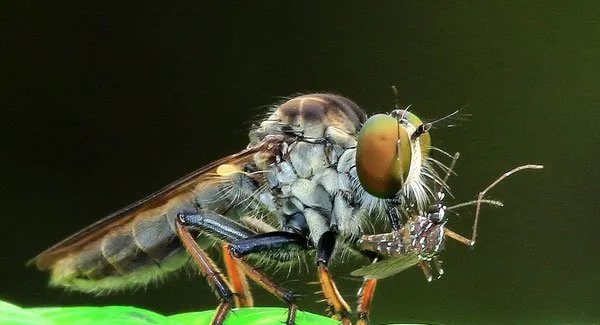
316 170
418 242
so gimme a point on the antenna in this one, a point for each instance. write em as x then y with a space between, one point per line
480 200
425 127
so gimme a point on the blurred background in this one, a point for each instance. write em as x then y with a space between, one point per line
101 104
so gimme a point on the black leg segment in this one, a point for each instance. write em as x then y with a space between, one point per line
268 243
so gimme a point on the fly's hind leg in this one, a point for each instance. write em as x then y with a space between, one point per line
226 230
240 241
208 268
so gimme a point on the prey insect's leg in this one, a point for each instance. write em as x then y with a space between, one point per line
494 183
337 306
480 200
266 243
209 270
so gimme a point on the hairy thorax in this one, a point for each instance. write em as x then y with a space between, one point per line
314 184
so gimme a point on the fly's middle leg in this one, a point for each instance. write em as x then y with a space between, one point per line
237 278
269 244
365 298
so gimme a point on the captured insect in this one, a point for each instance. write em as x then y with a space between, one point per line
316 170
418 242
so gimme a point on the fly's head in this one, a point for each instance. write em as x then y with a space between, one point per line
392 157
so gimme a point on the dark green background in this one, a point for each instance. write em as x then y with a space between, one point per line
102 104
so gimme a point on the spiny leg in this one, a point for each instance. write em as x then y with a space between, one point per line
241 241
337 306
237 278
209 270
227 230
367 290
269 244
271 286
365 298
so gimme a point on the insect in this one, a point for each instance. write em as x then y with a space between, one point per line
316 170
418 242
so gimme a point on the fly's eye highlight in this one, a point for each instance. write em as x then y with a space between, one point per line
383 156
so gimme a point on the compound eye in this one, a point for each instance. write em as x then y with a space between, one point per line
436 213
383 156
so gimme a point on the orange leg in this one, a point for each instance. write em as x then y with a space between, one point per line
243 296
337 306
271 286
365 298
208 268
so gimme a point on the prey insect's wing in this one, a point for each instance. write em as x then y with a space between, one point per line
169 195
388 267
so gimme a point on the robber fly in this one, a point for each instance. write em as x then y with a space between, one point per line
316 170
418 242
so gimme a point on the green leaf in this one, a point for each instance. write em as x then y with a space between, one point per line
125 315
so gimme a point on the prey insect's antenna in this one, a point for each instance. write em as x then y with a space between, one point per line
471 242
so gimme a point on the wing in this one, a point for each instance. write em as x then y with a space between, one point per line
167 195
388 267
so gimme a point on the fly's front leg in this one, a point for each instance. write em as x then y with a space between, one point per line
266 244
337 306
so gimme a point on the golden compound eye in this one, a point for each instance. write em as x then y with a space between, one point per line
383 156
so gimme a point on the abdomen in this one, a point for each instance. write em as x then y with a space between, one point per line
136 254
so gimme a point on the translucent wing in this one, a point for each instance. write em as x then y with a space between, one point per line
168 197
388 267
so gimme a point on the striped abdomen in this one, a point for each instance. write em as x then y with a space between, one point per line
135 254
142 247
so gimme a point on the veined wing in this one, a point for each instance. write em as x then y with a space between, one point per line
388 267
171 194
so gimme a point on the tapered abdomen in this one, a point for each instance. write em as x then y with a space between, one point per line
139 252
136 248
